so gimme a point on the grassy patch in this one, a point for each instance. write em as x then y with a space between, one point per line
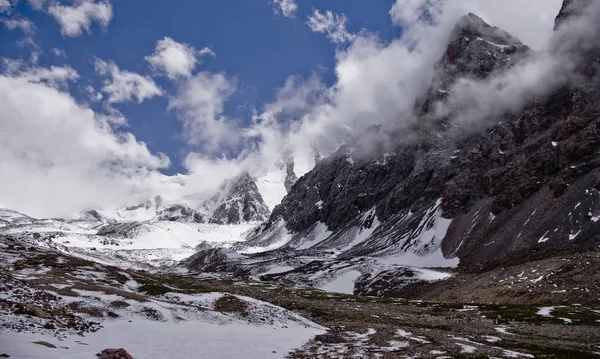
154 289
81 307
579 315
550 352
231 304
119 304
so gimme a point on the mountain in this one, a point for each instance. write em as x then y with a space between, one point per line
8 216
519 188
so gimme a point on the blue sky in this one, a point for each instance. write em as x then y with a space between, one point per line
253 42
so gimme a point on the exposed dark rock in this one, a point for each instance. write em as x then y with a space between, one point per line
214 260
180 213
120 229
290 176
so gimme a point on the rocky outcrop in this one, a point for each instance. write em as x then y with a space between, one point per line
120 230
290 175
180 213
215 260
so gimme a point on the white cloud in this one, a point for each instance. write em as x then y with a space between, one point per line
93 95
54 76
287 8
59 157
23 24
5 7
37 4
330 24
175 59
58 52
199 102
125 86
76 19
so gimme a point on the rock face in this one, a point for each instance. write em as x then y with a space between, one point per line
240 201
290 177
525 185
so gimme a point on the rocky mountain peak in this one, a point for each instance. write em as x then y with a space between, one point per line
290 175
472 27
571 8
578 42
240 201
475 49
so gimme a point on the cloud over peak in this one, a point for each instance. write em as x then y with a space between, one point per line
175 59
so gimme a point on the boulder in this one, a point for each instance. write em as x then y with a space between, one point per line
114 354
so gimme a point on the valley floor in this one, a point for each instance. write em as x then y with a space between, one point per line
65 302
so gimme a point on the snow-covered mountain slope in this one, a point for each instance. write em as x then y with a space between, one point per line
411 237
8 216
130 244
271 185
239 200
362 254
274 183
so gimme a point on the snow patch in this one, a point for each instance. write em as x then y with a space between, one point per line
278 269
545 311
343 283
272 186
318 234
